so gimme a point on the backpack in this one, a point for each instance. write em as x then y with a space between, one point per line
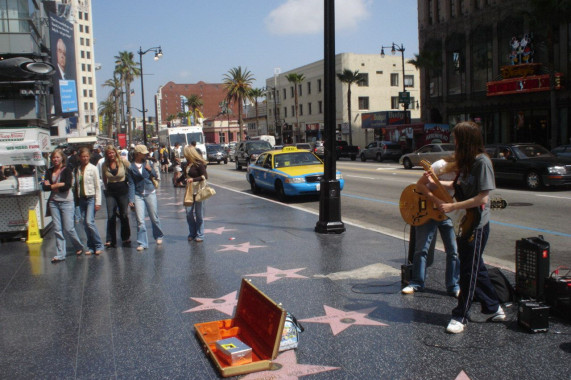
504 289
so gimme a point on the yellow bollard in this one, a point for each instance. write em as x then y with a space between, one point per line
33 230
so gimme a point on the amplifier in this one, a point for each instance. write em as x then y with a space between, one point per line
558 296
531 266
533 316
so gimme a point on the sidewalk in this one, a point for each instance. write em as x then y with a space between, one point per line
129 314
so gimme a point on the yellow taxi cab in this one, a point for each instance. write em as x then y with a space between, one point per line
288 172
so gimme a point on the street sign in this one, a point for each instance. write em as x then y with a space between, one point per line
404 97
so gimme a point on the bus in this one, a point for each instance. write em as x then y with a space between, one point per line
184 136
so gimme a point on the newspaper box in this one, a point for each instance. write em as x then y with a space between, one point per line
257 325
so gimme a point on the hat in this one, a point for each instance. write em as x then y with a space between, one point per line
132 145
141 149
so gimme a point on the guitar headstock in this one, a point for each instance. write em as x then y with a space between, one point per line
498 203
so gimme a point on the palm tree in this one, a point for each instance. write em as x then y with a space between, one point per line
238 84
115 95
350 77
107 111
128 70
254 94
194 102
295 79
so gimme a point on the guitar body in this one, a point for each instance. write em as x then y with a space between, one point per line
468 223
416 209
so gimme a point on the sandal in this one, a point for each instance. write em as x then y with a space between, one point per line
87 253
98 252
55 260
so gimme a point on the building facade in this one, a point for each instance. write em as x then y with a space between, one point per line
379 91
500 63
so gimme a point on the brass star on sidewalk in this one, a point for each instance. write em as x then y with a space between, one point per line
225 304
339 320
244 247
274 274
217 231
287 368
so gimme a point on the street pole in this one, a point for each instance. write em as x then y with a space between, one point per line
394 48
158 54
330 192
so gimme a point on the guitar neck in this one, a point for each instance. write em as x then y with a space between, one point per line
440 191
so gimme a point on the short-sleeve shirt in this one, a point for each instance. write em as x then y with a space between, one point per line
481 178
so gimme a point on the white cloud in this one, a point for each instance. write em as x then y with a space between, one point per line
306 16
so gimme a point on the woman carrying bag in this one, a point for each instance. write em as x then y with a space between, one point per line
61 204
114 172
195 173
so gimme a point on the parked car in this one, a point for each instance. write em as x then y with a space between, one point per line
288 172
429 152
529 164
562 151
216 153
343 149
318 148
381 150
306 146
231 150
248 151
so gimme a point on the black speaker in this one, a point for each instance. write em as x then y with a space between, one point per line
533 316
531 266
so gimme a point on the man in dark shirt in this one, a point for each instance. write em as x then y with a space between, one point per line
95 155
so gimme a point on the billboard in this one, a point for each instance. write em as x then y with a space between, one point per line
62 48
383 118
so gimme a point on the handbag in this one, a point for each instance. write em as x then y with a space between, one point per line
204 191
155 182
188 196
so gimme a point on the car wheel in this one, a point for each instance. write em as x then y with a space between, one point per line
363 158
533 180
238 166
253 186
280 191
225 161
407 163
379 157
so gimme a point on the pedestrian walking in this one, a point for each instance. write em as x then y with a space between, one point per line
88 194
143 196
114 173
194 173
61 205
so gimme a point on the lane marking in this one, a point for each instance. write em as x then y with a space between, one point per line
552 196
356 176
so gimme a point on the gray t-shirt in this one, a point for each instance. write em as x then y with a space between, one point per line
481 178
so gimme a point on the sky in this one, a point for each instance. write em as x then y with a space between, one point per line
202 40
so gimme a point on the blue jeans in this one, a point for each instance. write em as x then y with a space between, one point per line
87 209
195 220
64 226
147 202
424 236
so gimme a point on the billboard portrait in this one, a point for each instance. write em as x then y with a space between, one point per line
62 48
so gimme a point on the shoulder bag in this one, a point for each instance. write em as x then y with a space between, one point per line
203 191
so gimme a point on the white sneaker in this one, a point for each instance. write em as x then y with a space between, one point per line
498 316
140 248
408 290
455 327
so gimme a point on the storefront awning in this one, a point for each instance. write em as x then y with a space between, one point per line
21 153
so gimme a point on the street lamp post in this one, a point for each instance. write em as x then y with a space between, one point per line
394 48
158 54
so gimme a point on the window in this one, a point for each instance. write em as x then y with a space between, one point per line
81 15
292 110
83 67
364 82
320 107
81 41
299 90
86 16
91 106
86 28
309 108
285 111
87 42
82 54
84 80
88 55
90 80
363 102
86 118
85 106
308 88
395 102
285 93
89 68
291 92
319 85
409 80
81 28
394 80
84 92
91 93
301 109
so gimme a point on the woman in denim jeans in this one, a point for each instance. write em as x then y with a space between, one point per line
58 180
88 193
143 196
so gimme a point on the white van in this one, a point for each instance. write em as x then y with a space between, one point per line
268 138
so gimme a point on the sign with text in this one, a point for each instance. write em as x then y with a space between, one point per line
383 118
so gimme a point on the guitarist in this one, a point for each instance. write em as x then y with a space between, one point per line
472 188
425 233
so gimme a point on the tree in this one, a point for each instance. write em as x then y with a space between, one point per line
350 77
194 102
107 111
546 16
295 79
254 94
238 84
115 96
128 70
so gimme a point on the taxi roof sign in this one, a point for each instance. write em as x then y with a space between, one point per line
289 149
